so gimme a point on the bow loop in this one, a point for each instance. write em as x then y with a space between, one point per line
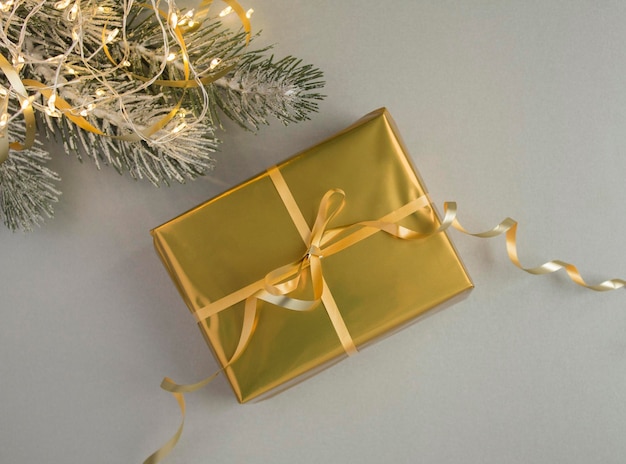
331 205
286 279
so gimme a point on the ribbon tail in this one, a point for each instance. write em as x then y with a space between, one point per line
249 321
177 392
509 227
162 452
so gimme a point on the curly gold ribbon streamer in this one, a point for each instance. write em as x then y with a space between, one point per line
29 116
177 392
509 227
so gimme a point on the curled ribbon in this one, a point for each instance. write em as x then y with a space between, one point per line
509 227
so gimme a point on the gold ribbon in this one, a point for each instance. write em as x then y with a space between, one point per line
509 227
67 110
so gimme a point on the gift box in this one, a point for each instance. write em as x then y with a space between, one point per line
301 265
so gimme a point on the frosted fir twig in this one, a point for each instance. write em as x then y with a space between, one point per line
285 89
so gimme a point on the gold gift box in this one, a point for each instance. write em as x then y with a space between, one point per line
379 284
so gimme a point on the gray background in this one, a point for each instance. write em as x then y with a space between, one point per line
510 108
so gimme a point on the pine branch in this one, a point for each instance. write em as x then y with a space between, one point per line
285 89
27 187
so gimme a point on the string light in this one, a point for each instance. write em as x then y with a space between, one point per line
226 11
63 4
18 61
4 119
51 101
112 35
174 20
6 6
54 59
179 128
53 114
85 112
214 63
187 19
73 12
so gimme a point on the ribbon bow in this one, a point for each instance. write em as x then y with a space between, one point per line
276 284
287 279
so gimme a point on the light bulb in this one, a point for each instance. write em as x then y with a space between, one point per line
174 20
18 61
63 4
179 128
51 100
73 12
6 6
112 35
214 63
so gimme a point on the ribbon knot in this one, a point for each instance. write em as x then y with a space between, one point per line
313 251
286 279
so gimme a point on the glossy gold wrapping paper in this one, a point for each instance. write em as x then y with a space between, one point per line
379 284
